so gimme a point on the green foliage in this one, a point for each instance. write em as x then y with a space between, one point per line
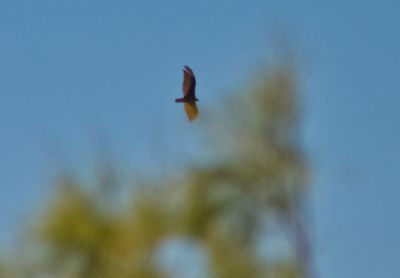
231 207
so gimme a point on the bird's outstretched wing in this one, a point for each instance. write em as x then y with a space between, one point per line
191 110
189 82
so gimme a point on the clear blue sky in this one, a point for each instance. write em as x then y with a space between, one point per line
74 73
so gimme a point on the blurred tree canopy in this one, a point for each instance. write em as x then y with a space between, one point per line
241 212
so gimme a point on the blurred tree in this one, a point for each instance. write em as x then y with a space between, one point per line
243 209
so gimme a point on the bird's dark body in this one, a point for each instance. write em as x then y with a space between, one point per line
186 99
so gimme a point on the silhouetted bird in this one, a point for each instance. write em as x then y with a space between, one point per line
189 97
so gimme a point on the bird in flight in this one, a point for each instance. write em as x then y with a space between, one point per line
189 97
